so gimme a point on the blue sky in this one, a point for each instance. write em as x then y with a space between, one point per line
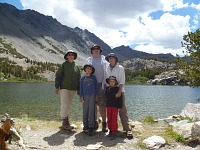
153 26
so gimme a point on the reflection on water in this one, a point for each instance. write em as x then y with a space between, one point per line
39 100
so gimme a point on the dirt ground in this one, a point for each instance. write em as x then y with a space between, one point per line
48 136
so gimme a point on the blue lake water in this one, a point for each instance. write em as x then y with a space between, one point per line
38 100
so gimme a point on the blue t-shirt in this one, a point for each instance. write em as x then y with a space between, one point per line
99 73
88 85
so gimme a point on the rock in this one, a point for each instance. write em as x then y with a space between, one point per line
28 128
190 131
93 146
179 122
138 64
154 142
166 78
191 111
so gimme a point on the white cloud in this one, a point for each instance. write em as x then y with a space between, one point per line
157 49
170 5
119 22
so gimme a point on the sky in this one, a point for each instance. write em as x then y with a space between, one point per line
152 26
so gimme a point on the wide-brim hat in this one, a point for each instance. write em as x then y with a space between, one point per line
111 55
70 51
111 78
95 46
89 65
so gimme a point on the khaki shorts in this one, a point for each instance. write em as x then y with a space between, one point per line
101 97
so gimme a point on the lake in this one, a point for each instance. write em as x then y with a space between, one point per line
39 100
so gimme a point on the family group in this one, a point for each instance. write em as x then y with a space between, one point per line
100 87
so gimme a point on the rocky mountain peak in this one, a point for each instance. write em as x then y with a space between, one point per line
43 38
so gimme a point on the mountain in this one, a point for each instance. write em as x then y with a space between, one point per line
27 34
42 38
127 53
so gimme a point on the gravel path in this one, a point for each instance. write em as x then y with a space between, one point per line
55 139
45 137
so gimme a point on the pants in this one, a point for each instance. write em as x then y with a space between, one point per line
89 111
112 114
66 98
124 115
101 96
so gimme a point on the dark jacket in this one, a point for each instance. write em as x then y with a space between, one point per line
68 76
111 100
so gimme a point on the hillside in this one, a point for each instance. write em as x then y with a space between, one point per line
27 36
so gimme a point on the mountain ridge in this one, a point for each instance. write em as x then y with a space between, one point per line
43 38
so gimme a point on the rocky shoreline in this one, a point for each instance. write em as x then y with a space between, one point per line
48 138
46 135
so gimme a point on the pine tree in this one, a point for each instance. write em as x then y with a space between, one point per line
192 67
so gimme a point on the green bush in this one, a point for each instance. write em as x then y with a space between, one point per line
148 119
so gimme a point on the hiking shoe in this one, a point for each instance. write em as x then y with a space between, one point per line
67 128
85 129
90 132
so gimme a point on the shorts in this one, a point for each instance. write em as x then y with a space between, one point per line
101 96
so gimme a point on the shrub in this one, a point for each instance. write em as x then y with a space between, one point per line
148 119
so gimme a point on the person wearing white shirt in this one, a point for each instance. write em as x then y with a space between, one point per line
117 70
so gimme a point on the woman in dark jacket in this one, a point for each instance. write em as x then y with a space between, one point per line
67 81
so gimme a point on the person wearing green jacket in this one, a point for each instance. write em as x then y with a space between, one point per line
67 81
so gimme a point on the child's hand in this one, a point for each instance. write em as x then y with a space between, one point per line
81 100
118 94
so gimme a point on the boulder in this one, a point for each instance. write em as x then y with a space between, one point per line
191 111
190 131
165 78
154 142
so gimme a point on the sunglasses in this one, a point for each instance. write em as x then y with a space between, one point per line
70 54
97 48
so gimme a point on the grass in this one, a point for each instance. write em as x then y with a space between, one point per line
148 119
141 145
38 124
149 128
185 118
14 79
177 137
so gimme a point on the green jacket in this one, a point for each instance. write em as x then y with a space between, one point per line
68 76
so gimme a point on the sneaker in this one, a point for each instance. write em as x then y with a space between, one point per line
109 134
129 134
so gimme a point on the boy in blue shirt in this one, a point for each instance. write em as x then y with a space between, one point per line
88 96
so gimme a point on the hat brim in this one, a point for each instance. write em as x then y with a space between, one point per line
107 58
75 55
93 69
107 81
